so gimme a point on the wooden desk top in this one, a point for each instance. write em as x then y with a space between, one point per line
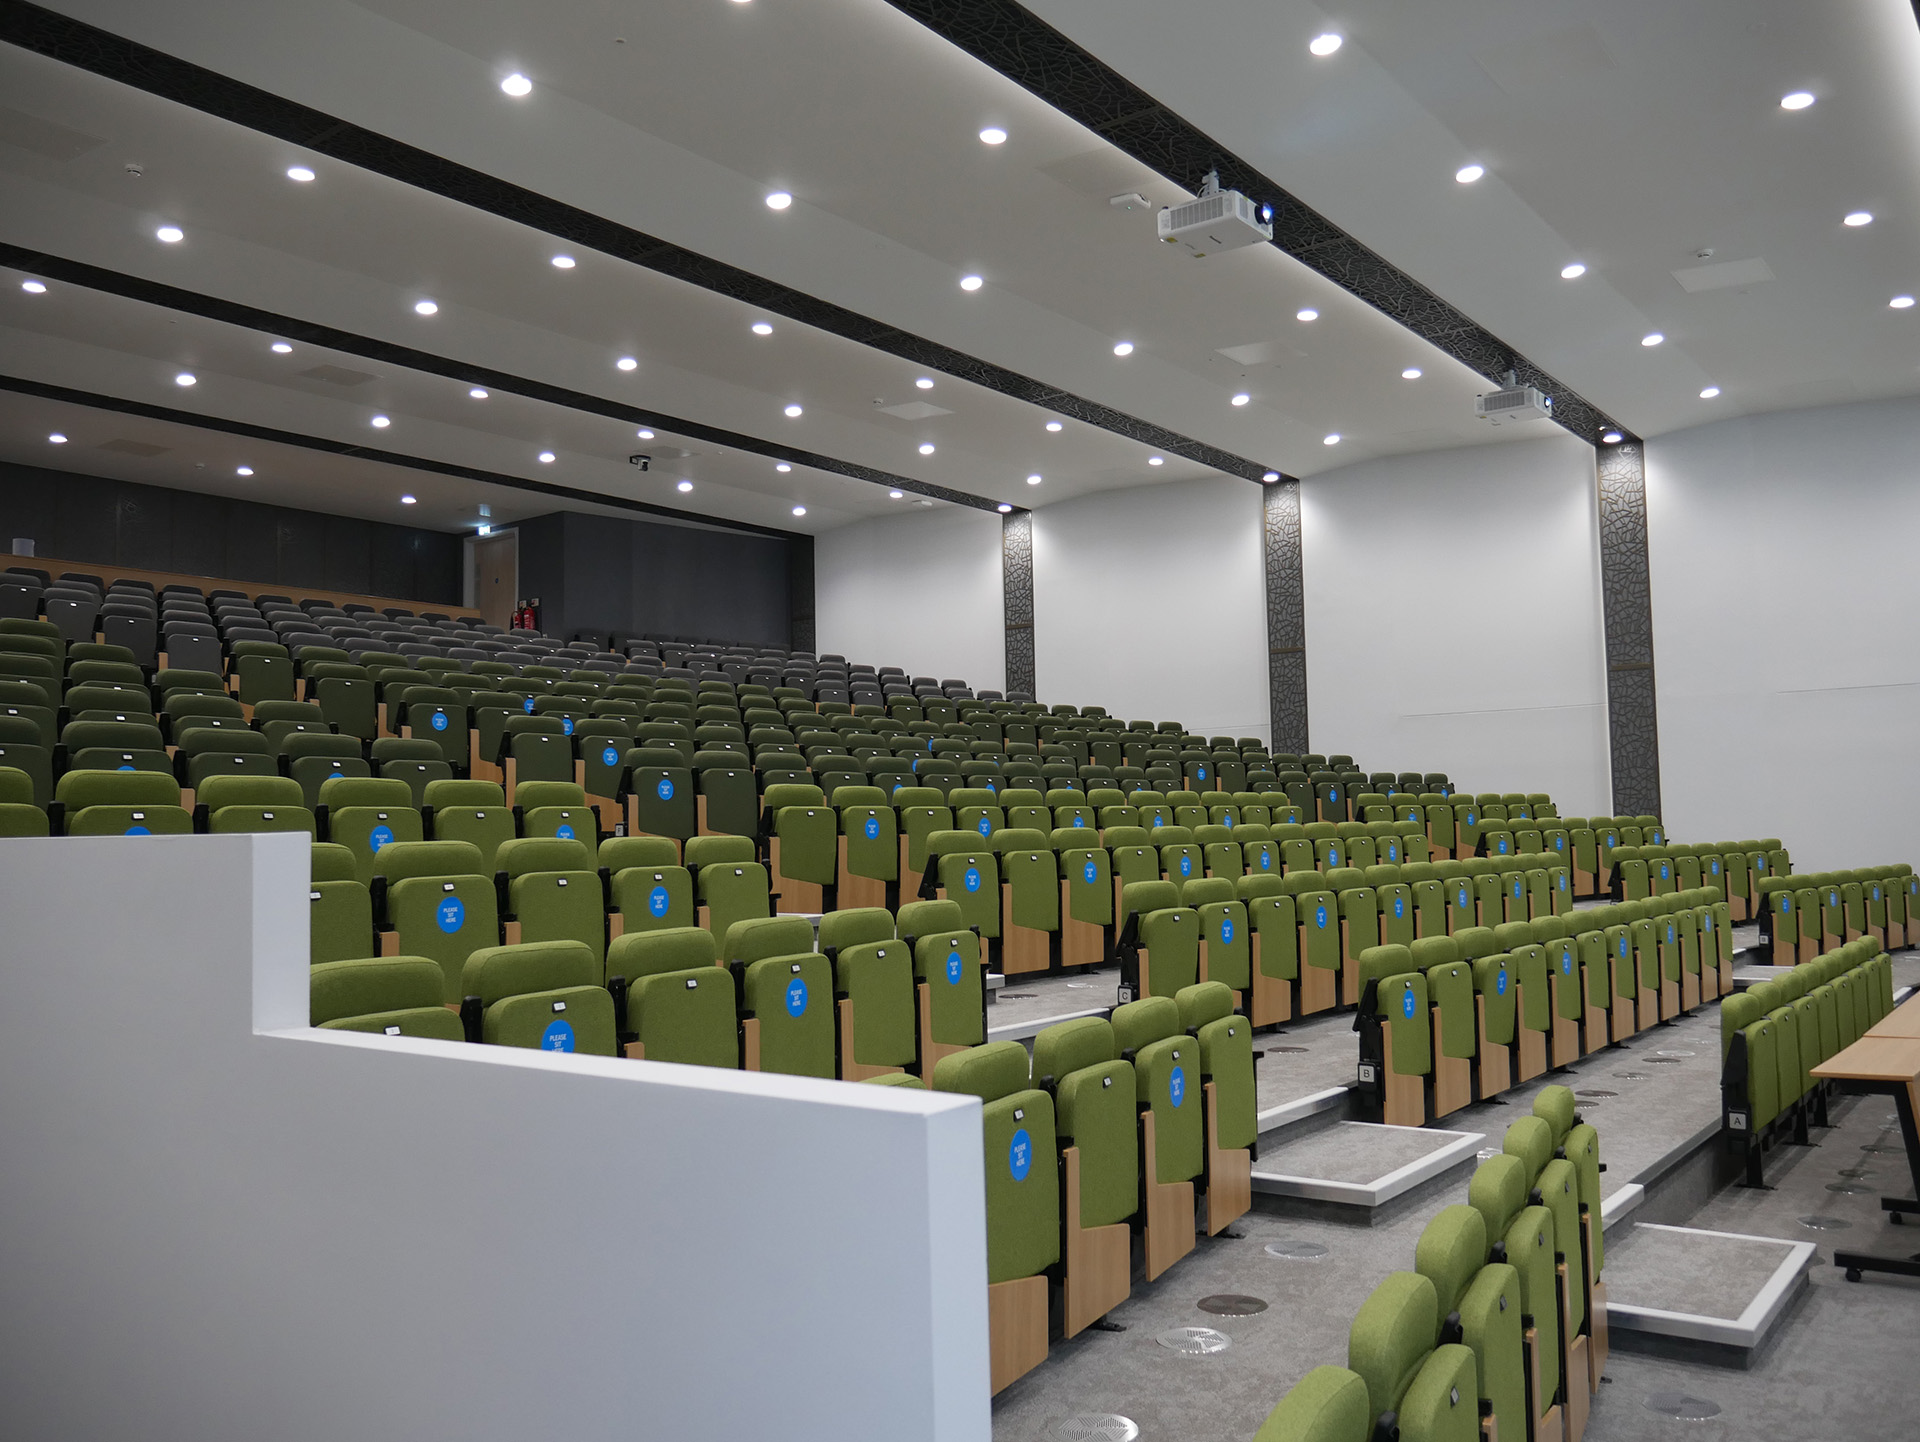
1875 1058
1904 1021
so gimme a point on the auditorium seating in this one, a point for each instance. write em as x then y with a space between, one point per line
1499 1329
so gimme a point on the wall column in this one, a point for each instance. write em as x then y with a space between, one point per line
1016 579
1286 618
1632 721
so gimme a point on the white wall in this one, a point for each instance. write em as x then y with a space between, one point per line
1151 602
1786 578
220 1224
919 590
1454 620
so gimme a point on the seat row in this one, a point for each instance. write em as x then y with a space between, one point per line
1773 1034
1803 916
1452 1019
1499 1331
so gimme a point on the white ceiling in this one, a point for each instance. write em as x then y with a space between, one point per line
1628 136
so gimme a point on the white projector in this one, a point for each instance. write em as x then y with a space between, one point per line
1514 403
1221 220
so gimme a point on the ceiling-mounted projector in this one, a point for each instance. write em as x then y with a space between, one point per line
1216 220
1513 403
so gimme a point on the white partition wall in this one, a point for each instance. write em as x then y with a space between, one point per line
1152 603
1454 619
1785 587
920 590
221 1225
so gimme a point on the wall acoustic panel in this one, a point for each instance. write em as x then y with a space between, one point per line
1632 708
1286 617
1453 617
1016 580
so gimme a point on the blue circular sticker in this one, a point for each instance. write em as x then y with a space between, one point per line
1333 856
1786 903
138 831
1393 852
1463 896
451 916
1201 772
566 725
1516 890
610 756
1469 818
1333 793
1876 893
565 833
872 828
664 790
986 829
972 878
379 837
1227 821
123 768
527 706
1399 907
797 997
1665 875
1566 963
1503 846
438 721
658 901
1559 843
1020 1155
1563 883
1092 873
1759 863
1226 931
1186 866
1706 922
1716 866
954 967
1177 1086
1500 983
1078 822
1406 1004
558 1036
1320 916
1266 861
1623 946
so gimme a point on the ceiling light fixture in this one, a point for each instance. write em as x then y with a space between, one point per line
1054 426
299 173
1611 438
1004 509
925 383
1572 272
483 529
1156 460
187 378
34 287
170 234
926 448
779 200
783 468
546 458
1467 174
971 282
1709 393
1270 477
1307 314
478 393
644 434
243 470
1033 480
409 500
1325 45
799 510
517 85
993 135
1651 338
280 347
684 487
1411 373
1901 302
896 495
1332 440
60 440
1242 398
761 327
1798 100
626 363
379 423
793 412
425 307
1858 218
1124 348
563 262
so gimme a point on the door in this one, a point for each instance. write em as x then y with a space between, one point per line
496 577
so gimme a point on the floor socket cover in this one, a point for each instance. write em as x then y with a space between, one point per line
1825 1224
1297 1251
1231 1304
1194 1341
1098 1427
1683 1405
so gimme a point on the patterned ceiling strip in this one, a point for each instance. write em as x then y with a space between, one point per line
20 385
35 28
1021 46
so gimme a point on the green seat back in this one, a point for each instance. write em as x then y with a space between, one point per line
391 995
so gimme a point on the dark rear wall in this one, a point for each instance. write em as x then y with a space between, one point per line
118 523
594 573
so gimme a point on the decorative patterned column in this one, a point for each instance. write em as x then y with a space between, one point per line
1016 581
1632 721
1286 618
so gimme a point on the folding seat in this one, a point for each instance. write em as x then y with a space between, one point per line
261 671
868 861
1566 994
968 874
389 996
673 1003
364 814
1414 1389
1554 1182
1030 899
1447 963
1396 1030
1489 901
26 700
1208 1014
552 894
729 885
1226 945
19 816
252 803
803 846
1779 920
874 993
949 979
1498 1191
977 809
1393 899
1427 897
1180 859
1086 906
1173 1137
1485 1296
660 795
1317 911
438 903
1359 911
1646 937
545 995
345 693
116 803
922 810
785 993
1094 1089
1328 851
418 763
436 714
558 808
1159 942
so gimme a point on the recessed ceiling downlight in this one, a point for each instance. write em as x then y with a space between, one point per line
926 448
993 135
783 468
799 510
34 287
925 383
1325 45
280 347
1411 373
779 200
517 85
563 262
1054 426
626 363
1796 100
1901 302
426 307
1858 218
1331 440
479 393
299 173
170 234
185 378
1709 393
761 327
971 282
1123 348
683 487
243 470
546 458
1651 338
793 412
1003 508
1467 174
1573 271
57 439
379 423
1611 438
1242 399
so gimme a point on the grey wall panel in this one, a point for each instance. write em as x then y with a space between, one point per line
1632 704
197 544
348 560
302 538
143 518
85 527
1286 617
1016 581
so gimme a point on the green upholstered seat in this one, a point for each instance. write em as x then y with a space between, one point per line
1226 1060
1096 1111
1022 1180
390 995
545 995
679 1005
1166 1065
